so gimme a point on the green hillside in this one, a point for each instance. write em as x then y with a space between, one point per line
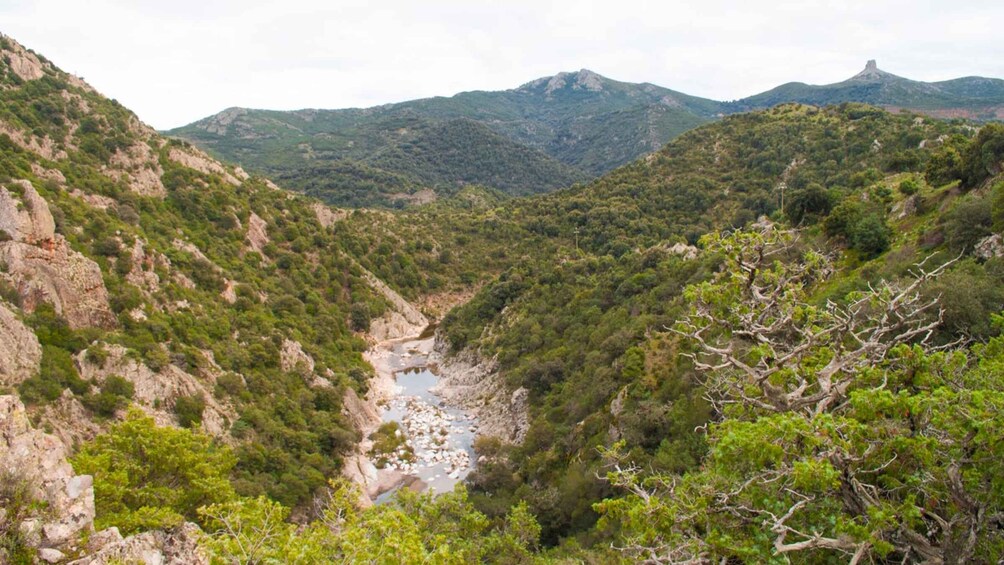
775 339
546 134
971 97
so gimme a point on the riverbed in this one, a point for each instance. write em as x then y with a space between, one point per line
440 437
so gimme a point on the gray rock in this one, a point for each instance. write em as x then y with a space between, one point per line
50 555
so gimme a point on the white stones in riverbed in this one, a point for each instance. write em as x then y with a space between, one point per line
429 430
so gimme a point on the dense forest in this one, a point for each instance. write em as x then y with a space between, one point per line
775 339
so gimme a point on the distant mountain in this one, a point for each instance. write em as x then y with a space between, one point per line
548 133
969 97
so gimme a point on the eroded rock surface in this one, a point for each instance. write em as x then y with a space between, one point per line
402 320
57 275
20 352
157 391
473 383
40 458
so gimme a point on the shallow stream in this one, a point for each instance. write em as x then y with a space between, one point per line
442 437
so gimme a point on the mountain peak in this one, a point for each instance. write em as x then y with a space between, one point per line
872 72
583 79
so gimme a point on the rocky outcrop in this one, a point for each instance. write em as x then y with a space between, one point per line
990 246
174 547
142 271
257 236
20 352
40 459
292 357
157 391
326 216
473 383
44 146
57 275
401 320
194 159
43 268
139 166
23 63
26 217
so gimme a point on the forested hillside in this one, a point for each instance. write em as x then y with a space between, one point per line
584 327
776 338
544 135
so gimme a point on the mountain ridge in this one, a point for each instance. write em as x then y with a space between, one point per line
577 125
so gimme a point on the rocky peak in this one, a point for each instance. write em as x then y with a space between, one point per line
871 72
584 79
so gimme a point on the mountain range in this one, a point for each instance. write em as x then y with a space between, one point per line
546 134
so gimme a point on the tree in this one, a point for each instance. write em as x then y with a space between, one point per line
149 477
840 434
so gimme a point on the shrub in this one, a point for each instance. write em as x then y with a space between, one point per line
189 409
150 477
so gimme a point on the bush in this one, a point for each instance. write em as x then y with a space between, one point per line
149 477
967 223
909 187
189 409
870 235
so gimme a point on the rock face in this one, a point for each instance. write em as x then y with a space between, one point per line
402 320
257 236
26 218
195 159
40 458
292 357
60 276
471 382
326 216
990 246
156 392
20 352
43 268
175 547
140 167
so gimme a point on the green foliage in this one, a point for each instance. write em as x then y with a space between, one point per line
17 498
854 470
115 393
968 223
148 477
412 529
189 409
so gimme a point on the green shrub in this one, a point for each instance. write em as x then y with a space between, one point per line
189 409
149 477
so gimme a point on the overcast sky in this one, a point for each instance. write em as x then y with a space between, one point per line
176 61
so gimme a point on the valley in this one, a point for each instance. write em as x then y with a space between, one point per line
609 326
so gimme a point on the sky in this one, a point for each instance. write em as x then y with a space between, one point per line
176 61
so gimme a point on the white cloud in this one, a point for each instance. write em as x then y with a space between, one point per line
175 62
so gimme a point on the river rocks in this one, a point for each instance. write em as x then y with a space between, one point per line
473 383
20 352
56 274
429 432
40 459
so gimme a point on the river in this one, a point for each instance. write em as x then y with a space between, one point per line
441 437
